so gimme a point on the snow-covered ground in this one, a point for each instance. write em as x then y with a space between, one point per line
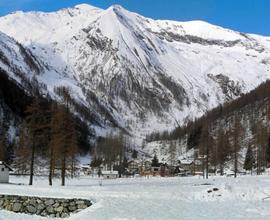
155 198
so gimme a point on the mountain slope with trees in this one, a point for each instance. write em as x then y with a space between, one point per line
136 73
236 134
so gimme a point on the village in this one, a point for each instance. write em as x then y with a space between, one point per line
133 168
182 167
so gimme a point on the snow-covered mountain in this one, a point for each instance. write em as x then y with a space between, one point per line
135 72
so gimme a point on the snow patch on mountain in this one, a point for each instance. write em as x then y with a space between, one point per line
138 73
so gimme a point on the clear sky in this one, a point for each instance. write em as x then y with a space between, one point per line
251 16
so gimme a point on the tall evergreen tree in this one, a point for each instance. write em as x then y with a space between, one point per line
249 159
155 161
134 154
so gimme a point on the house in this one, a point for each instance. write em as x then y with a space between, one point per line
155 171
109 174
145 168
86 169
187 164
133 166
4 172
147 165
164 170
181 172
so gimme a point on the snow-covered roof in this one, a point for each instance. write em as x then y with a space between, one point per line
107 172
3 163
87 166
134 161
229 172
186 161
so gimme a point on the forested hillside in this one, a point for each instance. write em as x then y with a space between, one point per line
37 131
236 133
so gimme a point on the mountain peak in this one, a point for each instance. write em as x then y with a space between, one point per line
85 7
118 10
133 70
117 7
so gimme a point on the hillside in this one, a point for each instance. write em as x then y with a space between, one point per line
132 72
238 130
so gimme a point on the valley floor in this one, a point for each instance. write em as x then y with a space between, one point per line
180 198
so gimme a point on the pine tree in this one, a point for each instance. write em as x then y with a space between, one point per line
134 154
155 161
125 163
249 159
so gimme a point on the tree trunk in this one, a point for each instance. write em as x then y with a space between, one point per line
235 163
207 161
51 167
72 167
32 162
63 170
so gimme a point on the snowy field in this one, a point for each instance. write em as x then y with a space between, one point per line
180 198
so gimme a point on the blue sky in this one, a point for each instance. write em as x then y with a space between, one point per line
251 16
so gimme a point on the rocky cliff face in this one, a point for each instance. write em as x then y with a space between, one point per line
134 72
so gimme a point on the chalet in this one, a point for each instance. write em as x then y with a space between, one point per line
180 172
146 166
164 170
186 164
155 171
4 172
86 169
109 174
133 166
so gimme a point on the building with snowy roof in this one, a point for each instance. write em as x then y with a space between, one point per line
109 174
4 172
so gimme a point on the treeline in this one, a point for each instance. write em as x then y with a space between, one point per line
223 133
261 93
113 152
48 136
45 132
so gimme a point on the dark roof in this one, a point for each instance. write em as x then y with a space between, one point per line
3 163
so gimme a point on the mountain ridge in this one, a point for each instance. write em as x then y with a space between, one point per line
140 73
